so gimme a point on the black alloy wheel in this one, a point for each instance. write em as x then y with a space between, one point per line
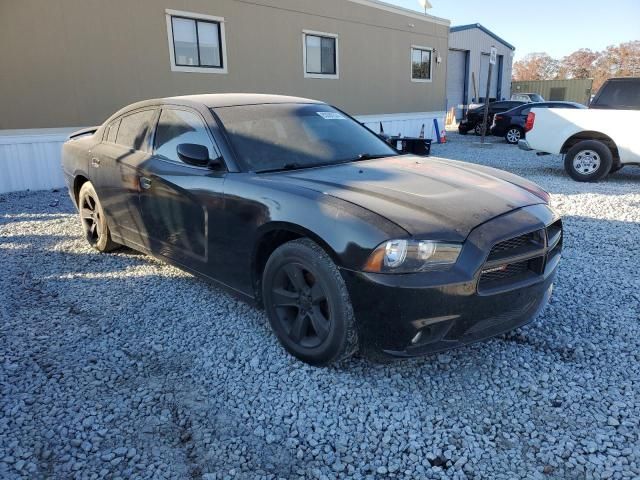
301 304
94 223
308 304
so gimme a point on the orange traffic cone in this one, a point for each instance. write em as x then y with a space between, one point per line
443 136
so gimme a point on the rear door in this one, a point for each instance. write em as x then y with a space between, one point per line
182 205
113 166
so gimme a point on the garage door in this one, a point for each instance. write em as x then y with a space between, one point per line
456 68
484 71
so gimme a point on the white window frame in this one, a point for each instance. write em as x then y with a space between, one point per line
304 54
196 16
420 80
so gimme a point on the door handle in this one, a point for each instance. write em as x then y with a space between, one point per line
95 162
145 183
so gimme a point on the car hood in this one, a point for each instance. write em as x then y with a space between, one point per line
442 199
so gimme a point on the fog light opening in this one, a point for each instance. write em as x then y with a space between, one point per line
416 338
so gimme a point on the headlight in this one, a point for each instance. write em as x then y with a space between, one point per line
406 256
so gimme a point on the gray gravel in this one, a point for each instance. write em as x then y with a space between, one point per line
119 366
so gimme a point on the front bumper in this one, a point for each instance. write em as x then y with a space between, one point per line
416 314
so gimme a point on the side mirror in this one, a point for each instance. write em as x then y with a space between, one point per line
198 155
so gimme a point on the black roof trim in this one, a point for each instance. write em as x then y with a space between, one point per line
460 28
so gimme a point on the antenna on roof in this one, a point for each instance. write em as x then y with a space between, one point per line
424 4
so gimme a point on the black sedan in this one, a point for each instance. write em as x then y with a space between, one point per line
293 205
510 124
473 119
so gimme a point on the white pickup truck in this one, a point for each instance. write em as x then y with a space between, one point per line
596 141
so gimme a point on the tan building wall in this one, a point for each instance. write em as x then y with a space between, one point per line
571 90
74 62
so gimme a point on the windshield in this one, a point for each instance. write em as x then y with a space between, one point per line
284 136
536 98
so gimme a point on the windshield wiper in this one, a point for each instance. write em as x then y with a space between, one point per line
369 156
286 166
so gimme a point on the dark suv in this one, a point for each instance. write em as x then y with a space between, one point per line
510 124
473 119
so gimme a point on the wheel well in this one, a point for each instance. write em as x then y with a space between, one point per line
271 240
266 246
589 135
77 185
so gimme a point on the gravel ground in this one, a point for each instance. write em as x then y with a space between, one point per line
119 366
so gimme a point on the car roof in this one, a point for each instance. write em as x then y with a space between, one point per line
553 102
215 100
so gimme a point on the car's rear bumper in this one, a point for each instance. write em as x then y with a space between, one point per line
417 314
68 180
498 131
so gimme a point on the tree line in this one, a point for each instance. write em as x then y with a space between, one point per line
621 60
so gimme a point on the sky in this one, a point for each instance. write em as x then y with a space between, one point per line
557 27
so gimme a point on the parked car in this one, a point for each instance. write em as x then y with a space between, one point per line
510 124
292 204
528 97
473 119
594 142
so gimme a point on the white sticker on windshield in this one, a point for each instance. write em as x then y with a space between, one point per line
331 115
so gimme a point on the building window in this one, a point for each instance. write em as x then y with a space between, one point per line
420 64
320 54
196 42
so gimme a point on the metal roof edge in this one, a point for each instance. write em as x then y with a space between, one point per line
459 28
403 11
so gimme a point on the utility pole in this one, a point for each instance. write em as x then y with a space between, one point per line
492 61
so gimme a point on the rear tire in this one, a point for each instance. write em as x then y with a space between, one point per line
588 161
514 135
94 222
308 304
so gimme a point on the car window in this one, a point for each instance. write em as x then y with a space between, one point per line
277 136
135 128
624 94
181 126
111 131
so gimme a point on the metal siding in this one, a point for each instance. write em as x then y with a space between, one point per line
31 160
577 90
478 42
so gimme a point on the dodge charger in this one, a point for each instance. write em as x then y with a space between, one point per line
293 205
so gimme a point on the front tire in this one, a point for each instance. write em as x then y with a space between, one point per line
308 304
94 222
588 161
514 135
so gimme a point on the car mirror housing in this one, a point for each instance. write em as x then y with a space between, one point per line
194 154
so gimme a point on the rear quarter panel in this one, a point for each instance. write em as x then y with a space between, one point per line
75 159
554 126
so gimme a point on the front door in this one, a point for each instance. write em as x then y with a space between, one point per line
182 205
